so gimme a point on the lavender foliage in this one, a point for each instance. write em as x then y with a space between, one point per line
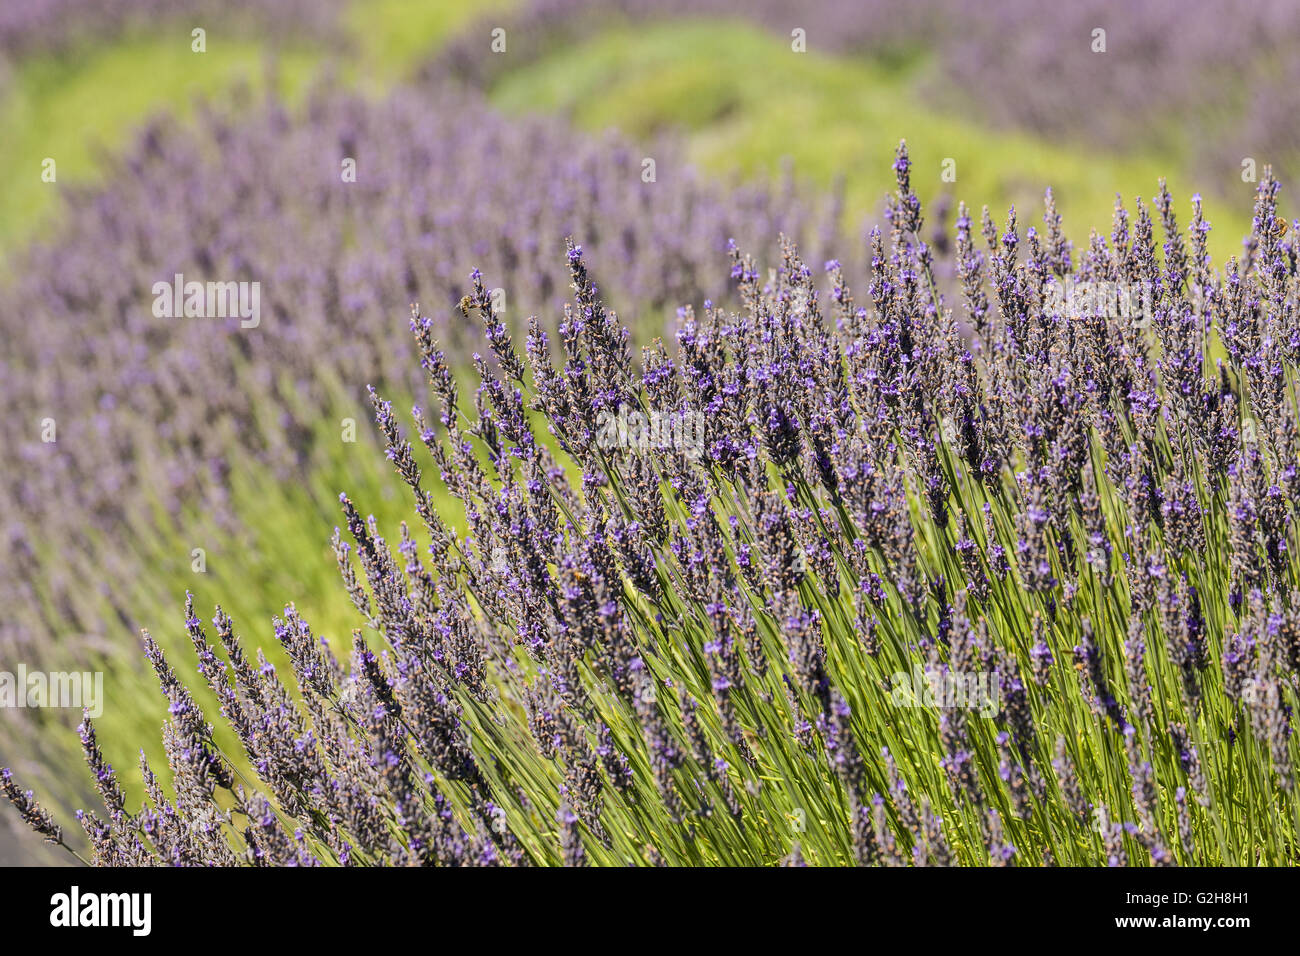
153 415
704 653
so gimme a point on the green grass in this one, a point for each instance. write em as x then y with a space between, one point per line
746 102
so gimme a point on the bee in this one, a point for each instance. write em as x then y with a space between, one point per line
1279 228
466 303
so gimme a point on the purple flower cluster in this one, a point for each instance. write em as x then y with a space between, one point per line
661 657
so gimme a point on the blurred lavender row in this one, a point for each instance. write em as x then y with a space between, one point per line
153 413
39 26
1218 79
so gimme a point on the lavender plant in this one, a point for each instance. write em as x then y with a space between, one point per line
153 417
1080 521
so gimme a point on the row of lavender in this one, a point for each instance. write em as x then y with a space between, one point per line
119 413
32 27
1218 80
1221 76
1078 525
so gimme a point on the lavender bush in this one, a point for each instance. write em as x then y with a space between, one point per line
154 414
1006 583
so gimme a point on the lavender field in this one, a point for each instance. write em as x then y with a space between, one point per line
642 433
